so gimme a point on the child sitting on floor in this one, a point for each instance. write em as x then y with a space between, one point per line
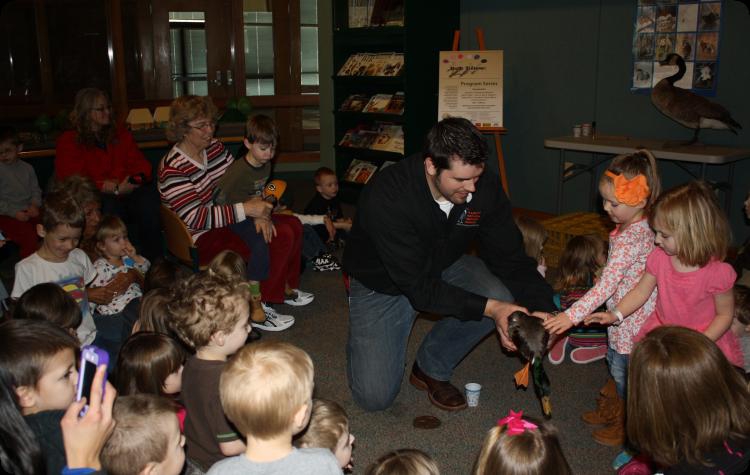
534 236
38 360
404 462
210 313
146 439
266 391
49 302
520 444
577 271
328 429
688 408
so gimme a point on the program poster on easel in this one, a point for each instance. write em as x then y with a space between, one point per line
471 86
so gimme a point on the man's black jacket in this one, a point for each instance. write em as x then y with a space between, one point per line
401 242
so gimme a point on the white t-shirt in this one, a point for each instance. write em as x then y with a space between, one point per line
72 275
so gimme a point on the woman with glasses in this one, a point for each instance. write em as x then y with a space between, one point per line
188 179
106 152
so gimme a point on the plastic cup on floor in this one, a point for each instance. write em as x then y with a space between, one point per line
472 394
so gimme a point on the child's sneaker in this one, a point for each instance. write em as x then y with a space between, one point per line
275 322
588 354
556 354
298 298
325 262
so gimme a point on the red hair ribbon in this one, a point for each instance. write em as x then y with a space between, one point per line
515 423
629 192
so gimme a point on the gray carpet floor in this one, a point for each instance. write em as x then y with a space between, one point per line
321 329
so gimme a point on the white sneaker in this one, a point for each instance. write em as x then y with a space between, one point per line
299 298
275 322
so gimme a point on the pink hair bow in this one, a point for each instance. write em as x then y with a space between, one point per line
515 423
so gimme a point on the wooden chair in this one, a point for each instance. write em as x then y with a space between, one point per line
178 241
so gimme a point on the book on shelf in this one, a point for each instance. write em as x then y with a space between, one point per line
355 103
396 104
390 138
359 137
378 103
394 65
372 64
360 171
360 12
387 13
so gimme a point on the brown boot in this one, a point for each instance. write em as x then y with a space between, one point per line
614 434
609 390
601 415
256 310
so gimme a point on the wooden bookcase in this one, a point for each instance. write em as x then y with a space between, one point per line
428 29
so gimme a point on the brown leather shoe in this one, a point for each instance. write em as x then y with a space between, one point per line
441 393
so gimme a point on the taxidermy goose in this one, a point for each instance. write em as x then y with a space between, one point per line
686 107
530 337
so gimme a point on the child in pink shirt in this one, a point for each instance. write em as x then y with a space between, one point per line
695 286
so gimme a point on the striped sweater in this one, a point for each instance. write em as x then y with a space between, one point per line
187 187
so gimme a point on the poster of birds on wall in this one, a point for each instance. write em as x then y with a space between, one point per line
689 29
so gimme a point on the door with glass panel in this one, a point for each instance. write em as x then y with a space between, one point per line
195 44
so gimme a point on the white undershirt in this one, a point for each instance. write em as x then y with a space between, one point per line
446 206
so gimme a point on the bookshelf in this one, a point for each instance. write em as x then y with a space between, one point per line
427 29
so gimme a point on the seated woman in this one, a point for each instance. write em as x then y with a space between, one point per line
106 153
188 176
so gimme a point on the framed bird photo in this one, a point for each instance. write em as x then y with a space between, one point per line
688 28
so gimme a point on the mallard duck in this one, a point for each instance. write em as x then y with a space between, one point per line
686 107
531 339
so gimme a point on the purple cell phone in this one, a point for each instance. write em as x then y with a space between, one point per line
91 358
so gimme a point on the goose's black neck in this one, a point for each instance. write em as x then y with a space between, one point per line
680 72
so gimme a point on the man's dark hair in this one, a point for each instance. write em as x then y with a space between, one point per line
455 137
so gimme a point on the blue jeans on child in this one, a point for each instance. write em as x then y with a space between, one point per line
312 245
379 328
618 369
260 258
113 330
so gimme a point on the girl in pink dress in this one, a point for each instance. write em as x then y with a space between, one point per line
695 286
629 188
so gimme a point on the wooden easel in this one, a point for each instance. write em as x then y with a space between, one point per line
495 131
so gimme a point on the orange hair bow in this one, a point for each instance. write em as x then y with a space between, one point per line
629 191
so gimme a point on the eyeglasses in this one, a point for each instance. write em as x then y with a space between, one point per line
203 125
102 109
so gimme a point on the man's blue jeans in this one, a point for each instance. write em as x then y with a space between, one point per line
379 328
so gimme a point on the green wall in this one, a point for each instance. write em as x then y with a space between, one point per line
569 62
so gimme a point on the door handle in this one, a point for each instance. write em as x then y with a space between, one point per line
230 80
217 81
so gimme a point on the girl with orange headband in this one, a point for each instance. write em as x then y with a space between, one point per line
629 187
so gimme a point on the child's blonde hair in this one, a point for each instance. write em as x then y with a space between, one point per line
263 385
533 451
140 435
691 214
206 303
228 263
534 236
328 422
404 462
684 397
630 165
579 261
110 226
